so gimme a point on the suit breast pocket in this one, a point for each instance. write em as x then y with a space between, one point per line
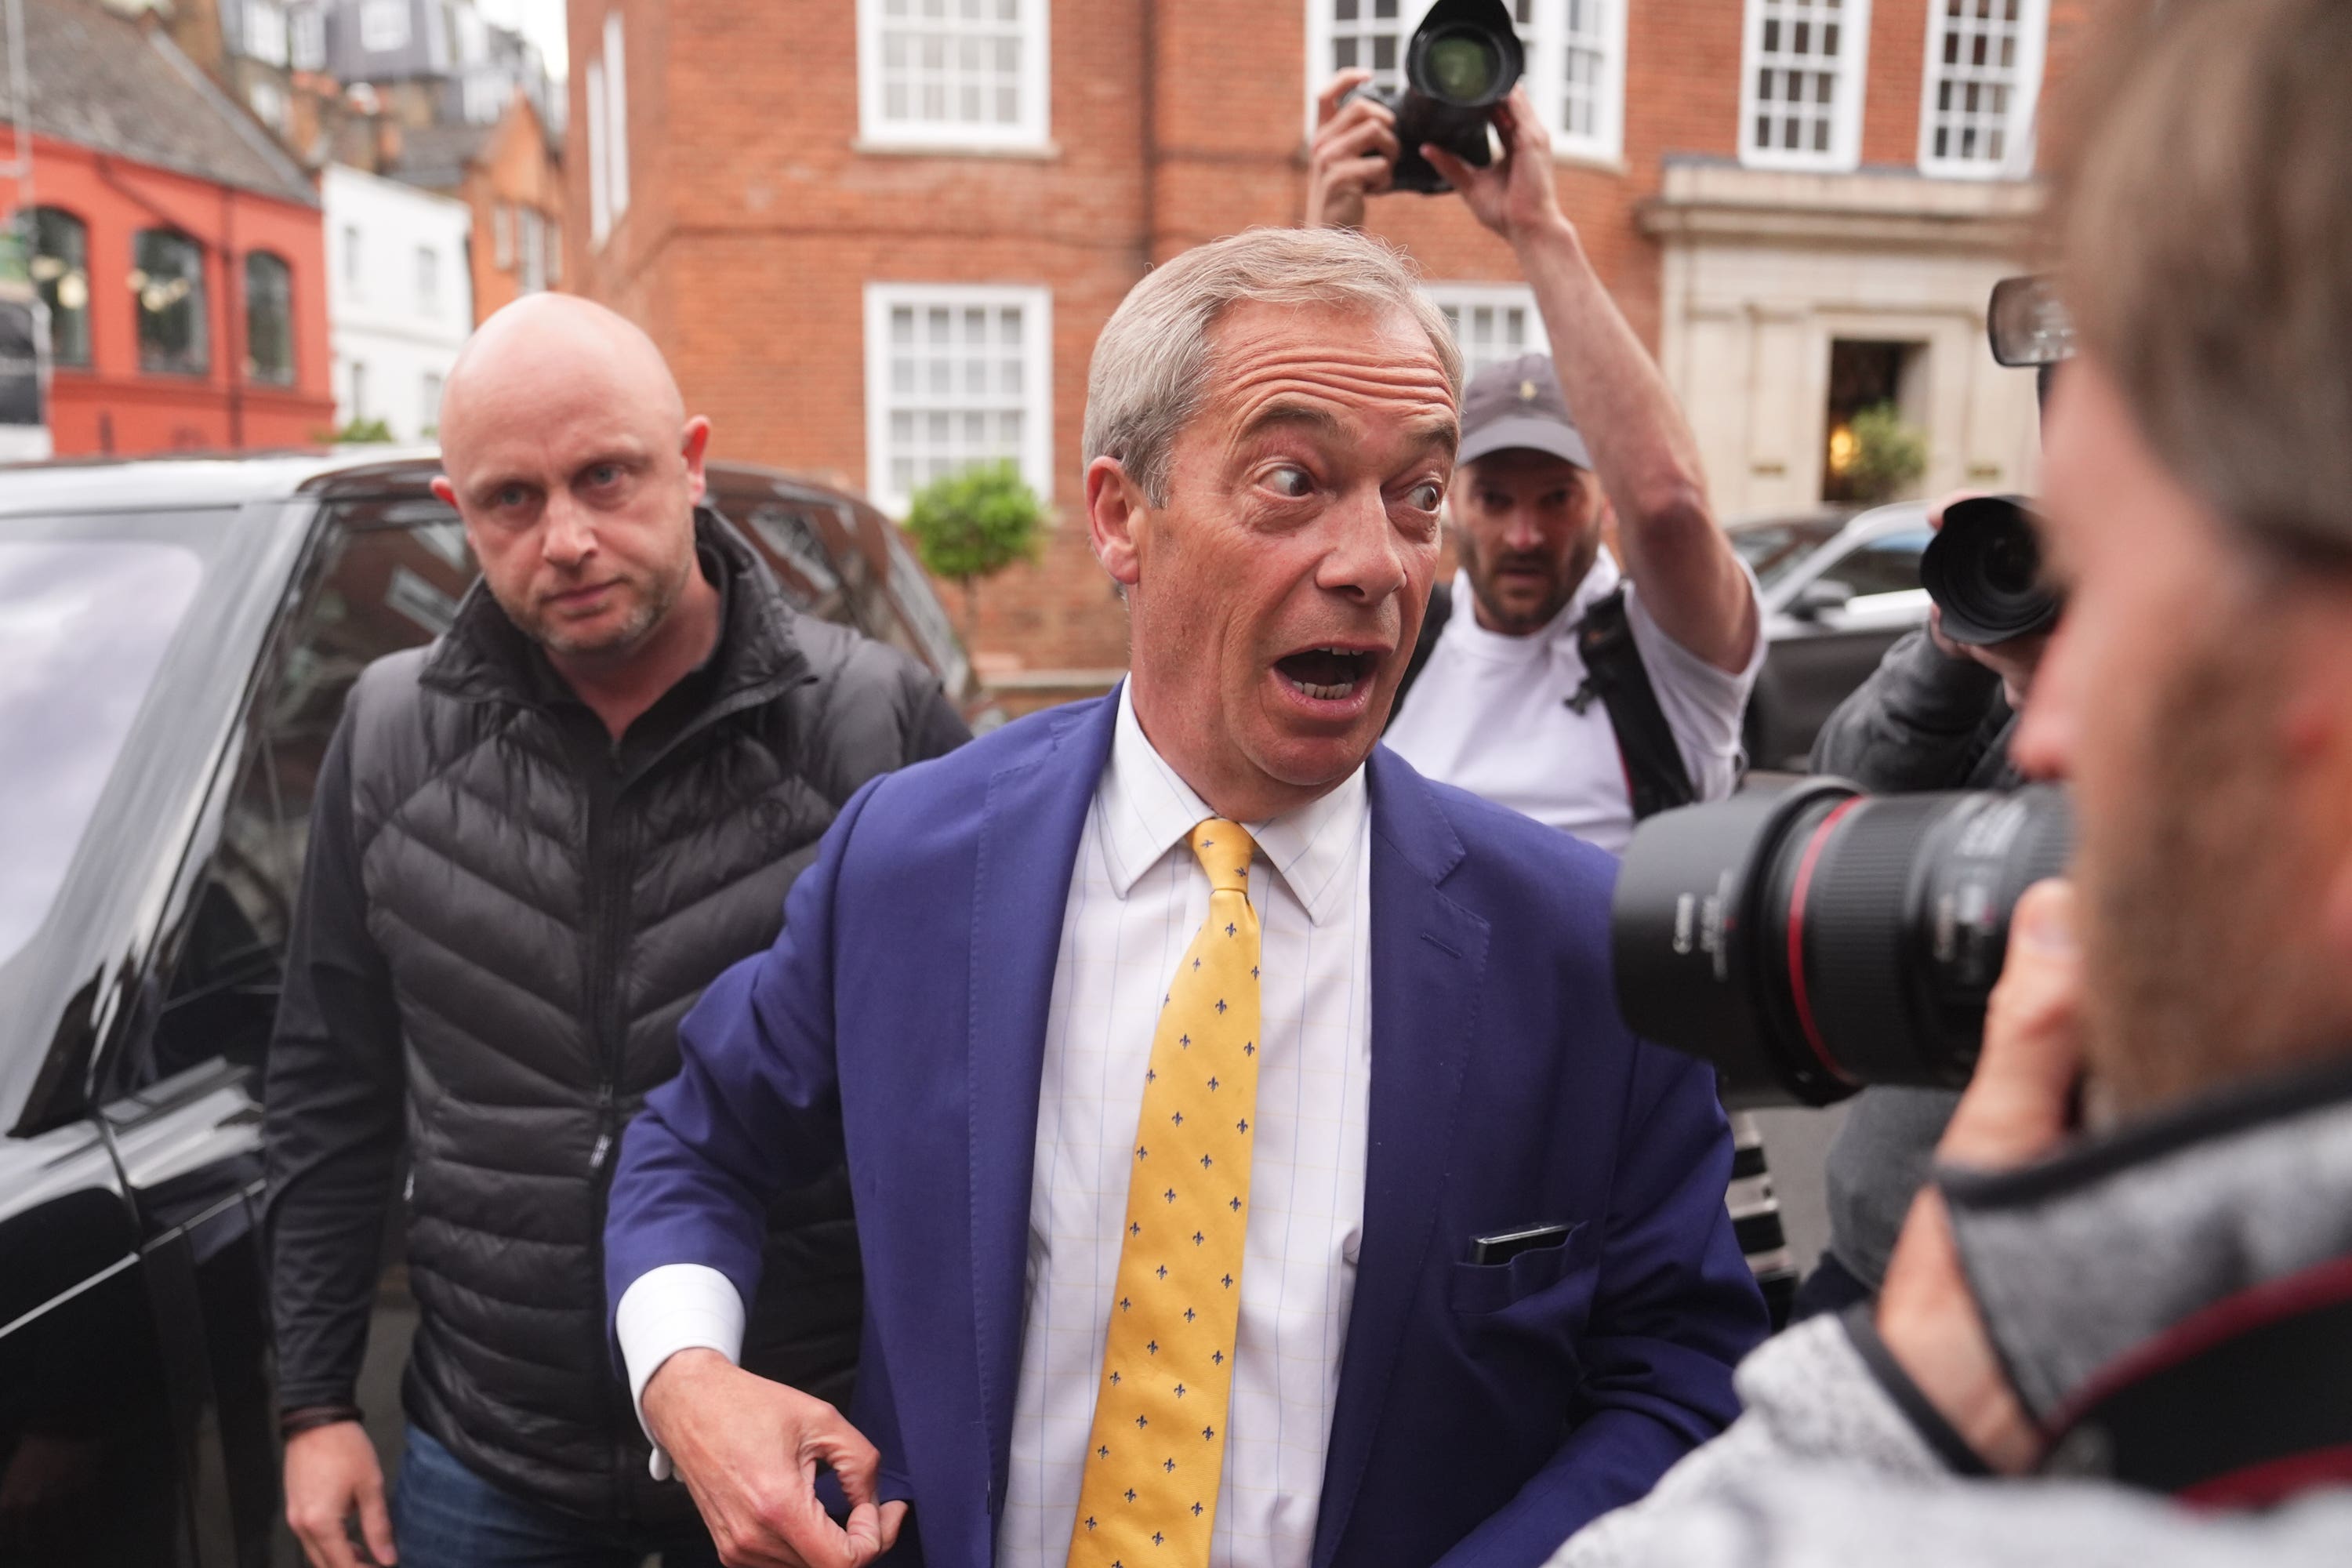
1485 1291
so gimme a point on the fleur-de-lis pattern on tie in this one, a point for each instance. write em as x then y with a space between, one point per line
1149 1498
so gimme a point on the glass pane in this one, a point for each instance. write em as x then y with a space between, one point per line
167 282
269 321
87 626
60 268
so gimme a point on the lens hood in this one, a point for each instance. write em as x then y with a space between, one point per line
1983 570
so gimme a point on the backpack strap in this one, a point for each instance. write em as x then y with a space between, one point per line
1655 777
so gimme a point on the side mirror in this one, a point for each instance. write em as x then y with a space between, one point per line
1819 596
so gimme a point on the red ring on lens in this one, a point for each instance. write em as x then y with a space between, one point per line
1797 941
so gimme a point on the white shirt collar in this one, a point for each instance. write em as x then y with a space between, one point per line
1147 809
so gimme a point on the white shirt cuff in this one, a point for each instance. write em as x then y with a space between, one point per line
676 1307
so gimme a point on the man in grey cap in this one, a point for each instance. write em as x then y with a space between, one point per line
1566 690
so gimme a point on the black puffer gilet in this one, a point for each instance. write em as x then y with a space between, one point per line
547 924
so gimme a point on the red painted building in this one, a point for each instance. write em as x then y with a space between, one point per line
178 248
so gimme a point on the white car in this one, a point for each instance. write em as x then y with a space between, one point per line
1839 590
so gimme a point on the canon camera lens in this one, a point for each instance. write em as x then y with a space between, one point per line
1983 569
1460 68
1812 939
1461 61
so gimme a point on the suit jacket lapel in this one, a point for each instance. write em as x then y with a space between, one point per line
1030 828
1428 954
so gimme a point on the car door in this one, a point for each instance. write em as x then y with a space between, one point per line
1849 612
115 1444
181 1099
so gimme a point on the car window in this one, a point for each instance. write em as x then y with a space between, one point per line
386 584
1887 565
84 628
381 586
926 617
1773 550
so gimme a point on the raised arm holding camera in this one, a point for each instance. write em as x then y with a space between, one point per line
1502 700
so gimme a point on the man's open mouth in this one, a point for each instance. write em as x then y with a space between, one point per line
1327 674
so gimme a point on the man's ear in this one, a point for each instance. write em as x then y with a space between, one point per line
443 492
692 445
1117 511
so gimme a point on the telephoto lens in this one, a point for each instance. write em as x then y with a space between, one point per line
1810 940
1983 569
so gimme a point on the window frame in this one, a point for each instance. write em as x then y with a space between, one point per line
1546 40
1449 295
1845 153
2016 161
1035 302
200 357
614 59
272 31
1031 130
253 374
45 288
306 38
374 36
428 283
600 196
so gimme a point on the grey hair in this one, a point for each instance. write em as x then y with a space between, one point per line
1151 364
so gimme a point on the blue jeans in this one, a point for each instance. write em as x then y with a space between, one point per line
445 1516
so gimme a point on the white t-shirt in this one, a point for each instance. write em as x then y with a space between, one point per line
1490 714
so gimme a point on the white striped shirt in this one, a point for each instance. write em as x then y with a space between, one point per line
1137 896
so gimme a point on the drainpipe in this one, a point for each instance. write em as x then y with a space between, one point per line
232 341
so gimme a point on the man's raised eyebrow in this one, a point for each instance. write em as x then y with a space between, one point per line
1285 411
1444 432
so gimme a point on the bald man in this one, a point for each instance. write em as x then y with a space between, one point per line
535 841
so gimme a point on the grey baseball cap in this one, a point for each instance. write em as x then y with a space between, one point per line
1517 404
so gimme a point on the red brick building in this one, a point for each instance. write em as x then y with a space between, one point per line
177 248
877 237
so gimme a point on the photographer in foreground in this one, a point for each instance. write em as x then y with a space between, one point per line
2152 1309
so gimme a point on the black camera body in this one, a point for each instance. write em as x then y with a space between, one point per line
1463 59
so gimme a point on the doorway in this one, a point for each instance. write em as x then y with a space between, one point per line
1867 376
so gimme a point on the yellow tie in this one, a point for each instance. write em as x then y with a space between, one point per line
1153 1461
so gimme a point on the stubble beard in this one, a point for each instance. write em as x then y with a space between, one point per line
2189 963
653 607
1567 577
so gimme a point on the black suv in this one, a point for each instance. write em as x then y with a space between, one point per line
176 640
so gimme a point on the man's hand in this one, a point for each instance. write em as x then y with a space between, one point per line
1514 195
1354 155
330 1473
749 1450
2017 1109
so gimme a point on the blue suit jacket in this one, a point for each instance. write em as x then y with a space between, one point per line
1484 1413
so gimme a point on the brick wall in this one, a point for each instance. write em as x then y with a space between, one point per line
756 219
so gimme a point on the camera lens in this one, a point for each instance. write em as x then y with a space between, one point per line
1984 571
1812 939
2011 563
1462 67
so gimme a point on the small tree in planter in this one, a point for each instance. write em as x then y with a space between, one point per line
1889 456
974 524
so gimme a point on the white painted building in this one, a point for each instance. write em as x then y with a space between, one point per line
399 299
